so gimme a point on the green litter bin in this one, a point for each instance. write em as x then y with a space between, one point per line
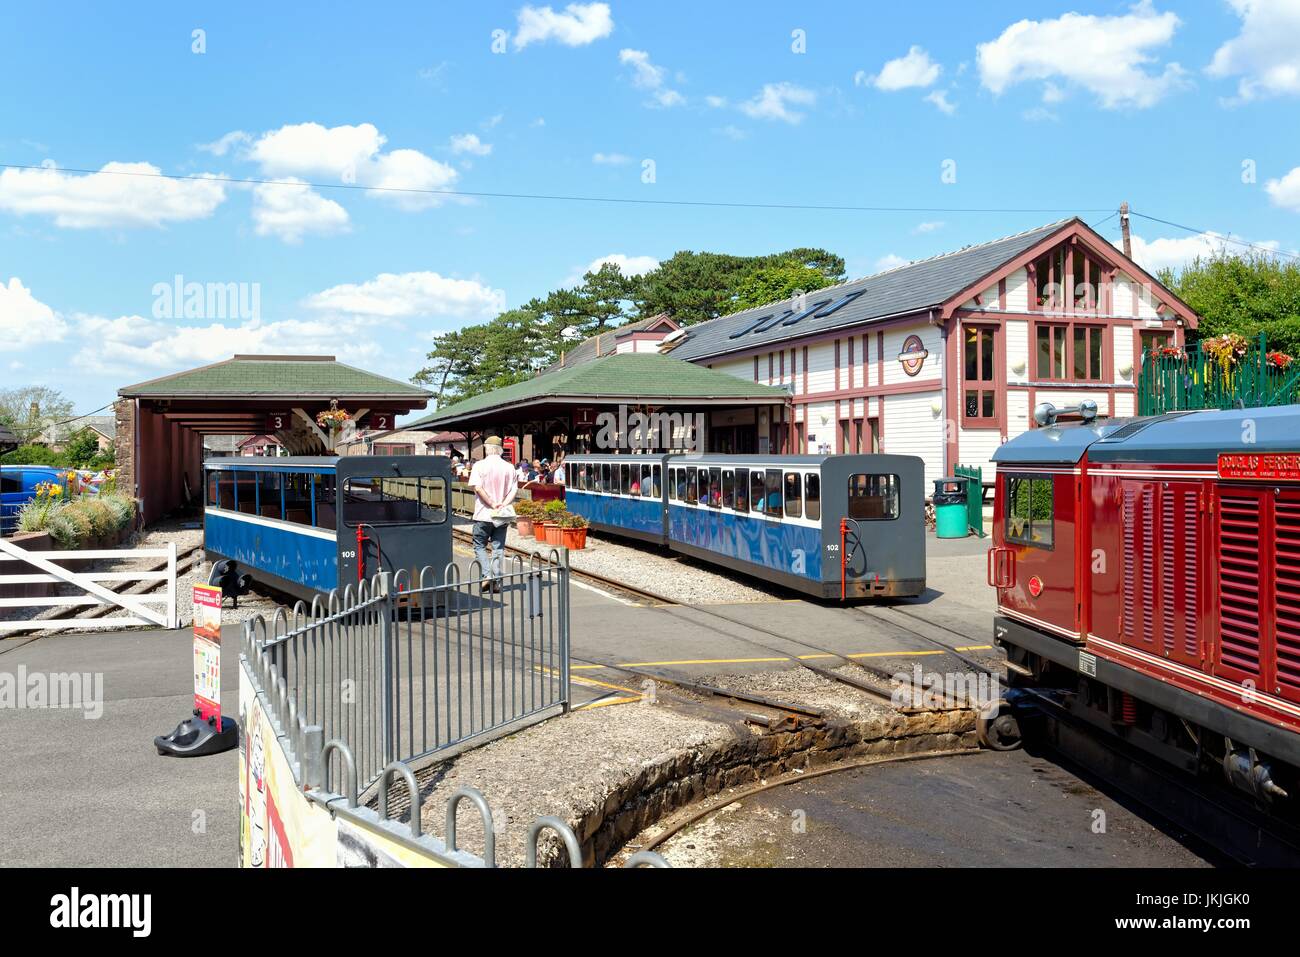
950 513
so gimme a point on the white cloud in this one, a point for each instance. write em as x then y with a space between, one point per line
913 70
1266 54
578 25
469 143
773 102
1285 192
133 344
610 159
651 78
119 194
1158 254
397 295
928 227
628 265
353 154
233 139
732 132
290 212
25 320
492 122
1107 55
890 261
940 99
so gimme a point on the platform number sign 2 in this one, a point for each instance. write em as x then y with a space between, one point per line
380 421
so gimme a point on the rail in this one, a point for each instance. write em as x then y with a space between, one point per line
1216 374
415 672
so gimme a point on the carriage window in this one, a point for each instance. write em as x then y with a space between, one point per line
773 492
604 478
728 488
326 513
1030 511
873 497
756 495
655 482
673 491
812 494
690 485
793 502
715 487
742 490
624 481
394 501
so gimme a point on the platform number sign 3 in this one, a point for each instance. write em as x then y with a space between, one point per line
277 421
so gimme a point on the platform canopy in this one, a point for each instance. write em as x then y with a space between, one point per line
641 378
161 423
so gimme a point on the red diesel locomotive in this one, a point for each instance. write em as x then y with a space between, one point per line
1148 574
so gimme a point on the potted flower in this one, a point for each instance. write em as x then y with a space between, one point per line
526 513
573 531
1279 360
550 515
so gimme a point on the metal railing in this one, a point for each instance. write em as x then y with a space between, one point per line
415 672
974 476
1175 380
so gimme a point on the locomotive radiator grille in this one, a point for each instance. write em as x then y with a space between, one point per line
1239 581
1286 591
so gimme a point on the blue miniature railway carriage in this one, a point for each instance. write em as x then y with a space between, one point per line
308 525
830 526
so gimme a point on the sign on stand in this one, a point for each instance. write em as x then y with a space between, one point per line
206 731
207 652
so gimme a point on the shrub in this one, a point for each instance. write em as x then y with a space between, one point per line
122 507
35 516
569 520
527 508
554 509
63 530
83 530
103 521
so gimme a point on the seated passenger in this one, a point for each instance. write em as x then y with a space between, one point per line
635 489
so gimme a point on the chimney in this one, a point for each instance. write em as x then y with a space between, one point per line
1123 226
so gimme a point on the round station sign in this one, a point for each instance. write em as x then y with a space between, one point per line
1035 586
913 355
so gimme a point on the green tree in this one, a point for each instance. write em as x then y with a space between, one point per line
29 409
82 449
1246 294
777 282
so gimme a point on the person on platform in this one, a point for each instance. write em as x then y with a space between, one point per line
557 473
495 487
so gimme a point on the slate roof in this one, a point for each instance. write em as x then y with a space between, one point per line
643 376
288 376
606 342
920 285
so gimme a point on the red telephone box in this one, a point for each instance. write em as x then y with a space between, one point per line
510 449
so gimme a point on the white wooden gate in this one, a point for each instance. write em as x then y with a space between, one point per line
157 609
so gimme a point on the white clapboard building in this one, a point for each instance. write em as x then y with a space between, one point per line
946 358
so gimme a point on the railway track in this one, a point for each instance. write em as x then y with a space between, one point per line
1215 818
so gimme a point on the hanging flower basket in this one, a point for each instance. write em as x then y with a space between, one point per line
333 419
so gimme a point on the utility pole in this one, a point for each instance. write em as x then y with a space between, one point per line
1123 226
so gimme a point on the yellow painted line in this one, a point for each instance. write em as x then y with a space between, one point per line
893 654
606 702
591 682
975 648
697 661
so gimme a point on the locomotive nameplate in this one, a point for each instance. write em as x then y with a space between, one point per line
1260 466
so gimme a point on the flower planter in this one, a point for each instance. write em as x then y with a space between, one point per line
524 526
539 531
573 537
554 535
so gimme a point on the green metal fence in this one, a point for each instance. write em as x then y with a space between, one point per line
1206 376
974 476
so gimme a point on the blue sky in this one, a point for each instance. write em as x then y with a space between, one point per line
1070 107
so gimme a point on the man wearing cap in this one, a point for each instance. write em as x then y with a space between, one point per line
495 486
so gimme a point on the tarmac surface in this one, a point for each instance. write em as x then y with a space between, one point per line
985 809
95 792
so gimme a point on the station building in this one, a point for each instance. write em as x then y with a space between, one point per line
945 358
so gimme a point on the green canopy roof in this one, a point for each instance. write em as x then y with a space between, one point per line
628 376
288 376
